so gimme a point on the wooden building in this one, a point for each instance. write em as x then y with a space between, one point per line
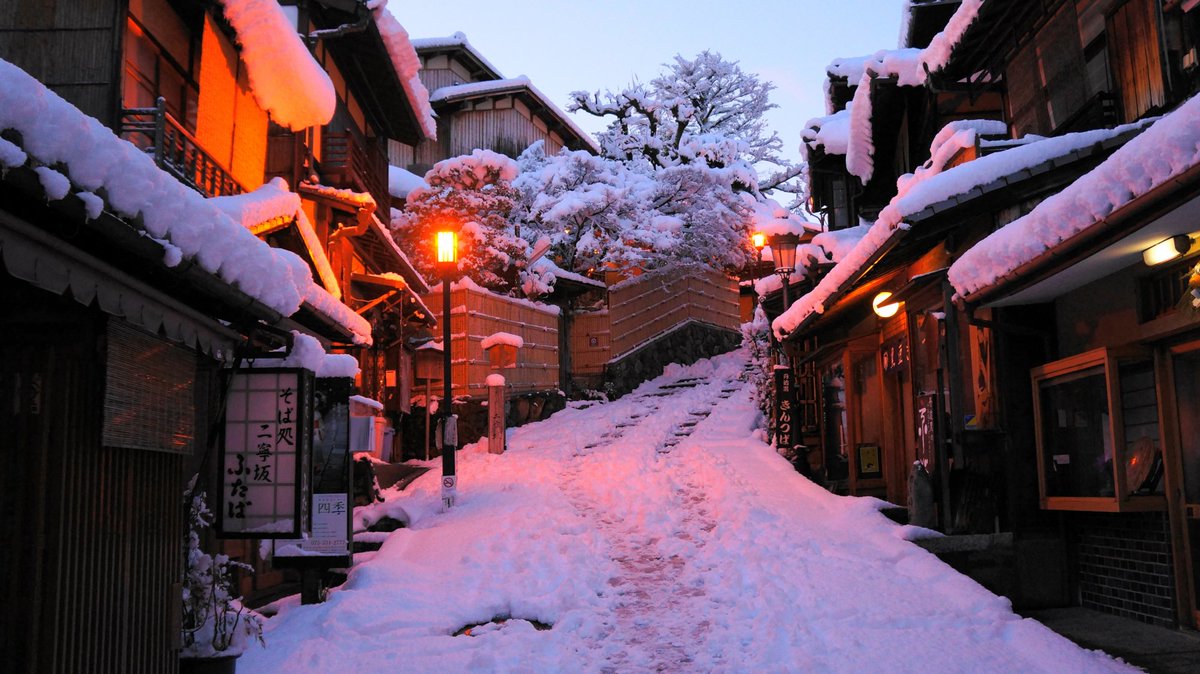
479 109
117 330
972 380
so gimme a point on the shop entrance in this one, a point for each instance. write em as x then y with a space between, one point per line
1185 363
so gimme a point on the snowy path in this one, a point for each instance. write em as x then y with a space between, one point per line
655 533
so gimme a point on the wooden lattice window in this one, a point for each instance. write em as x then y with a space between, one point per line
149 392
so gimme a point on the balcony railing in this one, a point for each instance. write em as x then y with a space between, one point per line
1099 112
176 151
351 162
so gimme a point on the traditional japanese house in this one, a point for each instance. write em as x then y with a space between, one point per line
1087 298
477 108
169 286
1038 386
125 293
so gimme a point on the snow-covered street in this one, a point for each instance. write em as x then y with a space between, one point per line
654 533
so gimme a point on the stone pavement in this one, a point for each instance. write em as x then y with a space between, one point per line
1158 650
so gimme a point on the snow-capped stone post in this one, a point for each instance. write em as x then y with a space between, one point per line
447 259
501 349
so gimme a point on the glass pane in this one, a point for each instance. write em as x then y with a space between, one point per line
1187 398
1139 411
1076 435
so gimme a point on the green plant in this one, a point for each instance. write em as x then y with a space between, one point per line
215 623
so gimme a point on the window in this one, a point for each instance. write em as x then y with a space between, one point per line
1134 47
150 72
1097 432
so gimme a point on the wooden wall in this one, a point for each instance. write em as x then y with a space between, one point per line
504 124
591 346
653 304
92 553
476 314
229 125
74 48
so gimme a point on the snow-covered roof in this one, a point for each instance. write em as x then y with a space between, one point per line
188 226
284 78
460 92
455 41
933 190
1165 150
402 182
274 201
831 133
769 217
404 59
908 67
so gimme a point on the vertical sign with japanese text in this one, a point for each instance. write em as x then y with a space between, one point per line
785 408
265 454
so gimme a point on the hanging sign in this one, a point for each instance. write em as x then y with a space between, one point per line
894 353
265 454
785 408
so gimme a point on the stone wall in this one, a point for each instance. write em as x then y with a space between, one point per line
686 345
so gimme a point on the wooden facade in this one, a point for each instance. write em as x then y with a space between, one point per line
506 118
476 314
1056 406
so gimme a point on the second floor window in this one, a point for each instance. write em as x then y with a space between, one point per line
150 72
1136 54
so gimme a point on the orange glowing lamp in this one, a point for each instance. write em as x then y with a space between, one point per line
447 248
759 239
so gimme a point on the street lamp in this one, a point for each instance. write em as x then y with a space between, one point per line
783 250
447 260
759 240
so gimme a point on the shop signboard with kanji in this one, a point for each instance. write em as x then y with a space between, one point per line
266 453
785 408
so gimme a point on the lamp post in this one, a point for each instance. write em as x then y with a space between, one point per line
783 250
447 259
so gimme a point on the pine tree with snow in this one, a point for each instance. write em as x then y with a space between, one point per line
702 110
473 195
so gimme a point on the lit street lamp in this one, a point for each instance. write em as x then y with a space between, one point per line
759 240
447 260
783 250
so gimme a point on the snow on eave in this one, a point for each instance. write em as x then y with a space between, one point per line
1166 150
455 41
930 192
408 66
284 77
402 182
190 227
521 83
831 133
409 272
935 57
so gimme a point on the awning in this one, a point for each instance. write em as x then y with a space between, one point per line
47 262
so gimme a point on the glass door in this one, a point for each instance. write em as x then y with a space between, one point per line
1186 373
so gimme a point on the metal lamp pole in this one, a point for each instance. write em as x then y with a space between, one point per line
447 257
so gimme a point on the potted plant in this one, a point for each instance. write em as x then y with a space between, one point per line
216 627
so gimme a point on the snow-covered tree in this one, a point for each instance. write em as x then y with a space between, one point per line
587 206
705 110
472 194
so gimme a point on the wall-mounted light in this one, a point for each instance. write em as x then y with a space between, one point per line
1167 250
884 308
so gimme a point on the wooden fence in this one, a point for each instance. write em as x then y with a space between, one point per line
646 307
474 315
650 305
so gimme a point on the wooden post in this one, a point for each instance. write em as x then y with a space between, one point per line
495 413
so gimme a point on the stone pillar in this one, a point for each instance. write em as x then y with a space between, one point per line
495 383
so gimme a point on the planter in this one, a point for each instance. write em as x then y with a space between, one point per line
225 664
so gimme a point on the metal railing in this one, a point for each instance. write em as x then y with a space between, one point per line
177 151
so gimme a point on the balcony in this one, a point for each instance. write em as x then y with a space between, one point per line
176 151
351 161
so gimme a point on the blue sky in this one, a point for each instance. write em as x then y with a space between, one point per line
563 46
